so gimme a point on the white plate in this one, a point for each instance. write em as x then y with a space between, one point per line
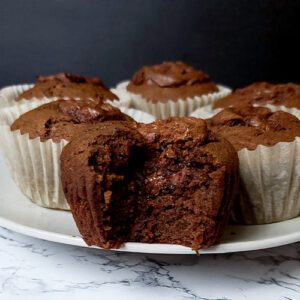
19 214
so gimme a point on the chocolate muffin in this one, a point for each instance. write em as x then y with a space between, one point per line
171 89
38 137
168 182
66 85
262 93
97 176
268 145
62 119
248 126
170 81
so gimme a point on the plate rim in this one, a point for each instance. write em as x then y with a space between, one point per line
221 248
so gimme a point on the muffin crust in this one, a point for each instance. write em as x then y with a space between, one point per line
170 81
66 85
248 126
262 93
62 119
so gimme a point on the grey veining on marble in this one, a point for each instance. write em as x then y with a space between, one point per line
37 269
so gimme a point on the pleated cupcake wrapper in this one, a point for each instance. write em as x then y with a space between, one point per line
292 110
208 111
35 165
166 109
138 115
270 189
9 95
205 112
124 99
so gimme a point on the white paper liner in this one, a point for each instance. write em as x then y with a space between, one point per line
205 112
138 115
10 94
35 165
270 183
208 111
124 99
166 109
292 110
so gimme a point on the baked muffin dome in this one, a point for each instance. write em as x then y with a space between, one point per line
66 85
171 182
62 119
248 126
268 146
170 81
262 93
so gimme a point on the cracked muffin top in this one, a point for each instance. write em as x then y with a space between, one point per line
62 119
170 81
248 126
66 85
262 93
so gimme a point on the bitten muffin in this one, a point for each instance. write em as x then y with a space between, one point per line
170 89
62 119
97 173
32 144
66 85
171 182
262 93
170 81
268 147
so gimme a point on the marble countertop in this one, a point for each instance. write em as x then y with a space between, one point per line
37 269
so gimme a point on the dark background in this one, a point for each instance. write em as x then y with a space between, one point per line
235 41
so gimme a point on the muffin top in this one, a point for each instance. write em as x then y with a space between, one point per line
248 126
62 119
175 129
185 137
68 85
262 93
170 81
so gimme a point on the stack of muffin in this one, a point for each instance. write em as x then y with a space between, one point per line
174 180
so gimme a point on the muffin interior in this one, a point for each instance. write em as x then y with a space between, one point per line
182 188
